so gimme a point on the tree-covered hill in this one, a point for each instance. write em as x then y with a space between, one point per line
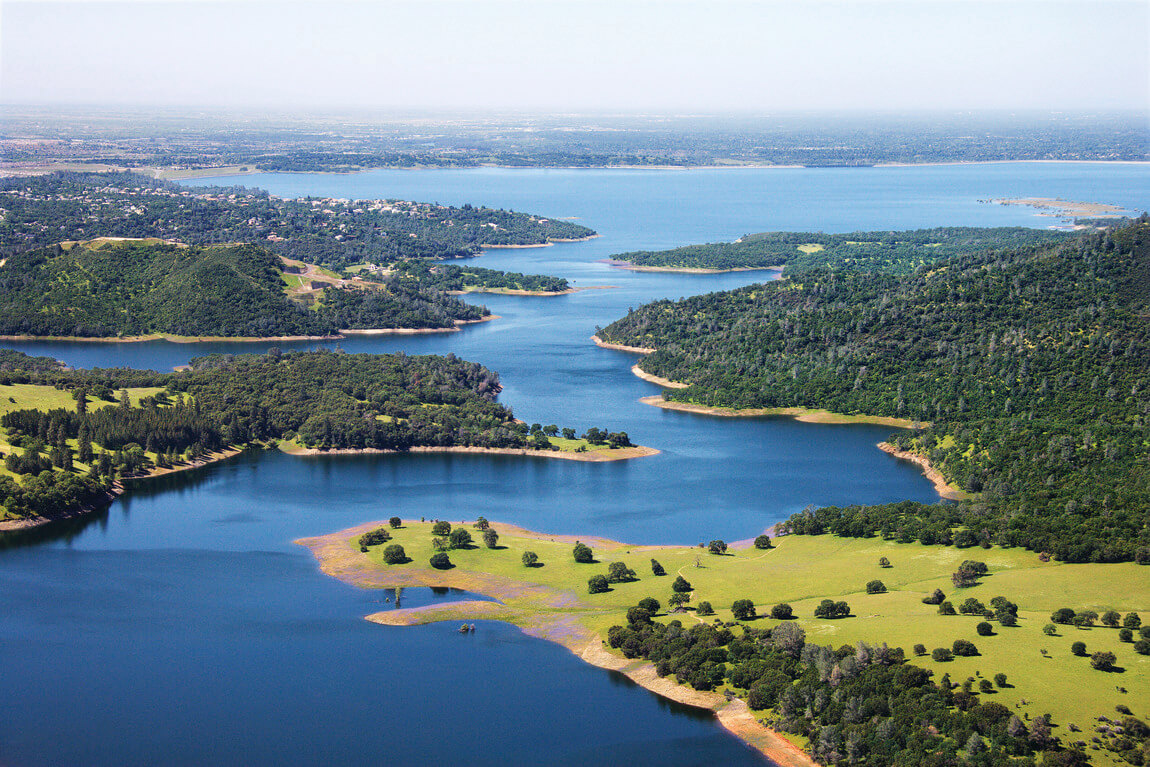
1032 363
894 252
140 288
41 210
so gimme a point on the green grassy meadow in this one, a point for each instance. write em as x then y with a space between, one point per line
802 570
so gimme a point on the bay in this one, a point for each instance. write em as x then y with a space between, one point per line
184 627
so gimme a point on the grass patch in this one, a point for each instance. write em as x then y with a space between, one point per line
802 570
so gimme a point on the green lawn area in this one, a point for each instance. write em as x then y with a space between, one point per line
573 445
802 570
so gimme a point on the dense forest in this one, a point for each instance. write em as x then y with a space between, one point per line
894 252
859 704
43 210
321 399
139 288
450 277
1032 365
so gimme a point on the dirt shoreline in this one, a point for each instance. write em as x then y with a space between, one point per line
804 414
116 491
941 486
591 456
516 292
548 244
666 383
621 348
251 339
690 269
338 558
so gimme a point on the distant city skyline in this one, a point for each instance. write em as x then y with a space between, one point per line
562 55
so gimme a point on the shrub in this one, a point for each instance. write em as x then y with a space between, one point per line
830 609
1050 629
656 568
1063 615
459 538
1111 619
1142 647
530 559
984 629
374 538
440 561
763 541
704 608
717 547
1078 648
1131 621
395 522
582 553
941 655
440 544
936 598
1000 679
972 606
681 585
597 584
650 604
743 609
985 686
876 587
618 572
964 648
490 538
1103 661
442 527
883 562
1007 619
394 554
920 649
782 612
637 615
1125 635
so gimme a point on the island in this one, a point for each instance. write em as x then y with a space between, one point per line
70 437
1025 369
808 647
894 252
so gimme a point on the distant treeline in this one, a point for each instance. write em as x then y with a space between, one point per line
447 277
893 252
1031 363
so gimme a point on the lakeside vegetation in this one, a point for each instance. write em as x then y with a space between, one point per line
900 680
466 279
1030 363
69 435
893 252
136 288
42 210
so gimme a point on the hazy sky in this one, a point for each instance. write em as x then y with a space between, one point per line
708 55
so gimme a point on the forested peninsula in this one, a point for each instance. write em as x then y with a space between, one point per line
1031 363
894 252
107 289
42 210
69 436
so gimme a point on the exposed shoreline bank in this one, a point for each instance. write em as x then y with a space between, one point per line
804 414
338 558
515 292
621 348
591 456
941 486
690 269
251 339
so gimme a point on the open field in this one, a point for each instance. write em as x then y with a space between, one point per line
552 601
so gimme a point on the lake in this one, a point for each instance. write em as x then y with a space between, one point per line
184 627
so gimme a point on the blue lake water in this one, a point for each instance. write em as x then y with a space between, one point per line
184 627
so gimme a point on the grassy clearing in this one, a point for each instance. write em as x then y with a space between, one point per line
802 570
812 247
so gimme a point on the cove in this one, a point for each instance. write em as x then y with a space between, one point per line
183 627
